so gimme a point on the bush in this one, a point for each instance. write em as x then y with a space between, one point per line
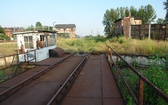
4 37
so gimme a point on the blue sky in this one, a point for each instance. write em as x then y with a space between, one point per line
86 14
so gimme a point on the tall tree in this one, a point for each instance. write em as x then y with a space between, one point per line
133 11
122 12
3 35
166 8
150 14
38 25
126 12
30 28
160 21
108 21
141 14
147 14
2 31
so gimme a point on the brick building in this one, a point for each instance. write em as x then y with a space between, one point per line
66 28
123 26
10 30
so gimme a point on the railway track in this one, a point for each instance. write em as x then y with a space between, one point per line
59 95
46 86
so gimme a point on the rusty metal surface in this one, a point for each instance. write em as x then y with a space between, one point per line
23 82
50 61
65 87
7 84
43 64
95 85
41 90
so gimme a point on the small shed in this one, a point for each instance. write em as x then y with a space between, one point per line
35 44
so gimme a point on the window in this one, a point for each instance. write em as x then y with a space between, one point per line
43 41
28 41
51 40
47 39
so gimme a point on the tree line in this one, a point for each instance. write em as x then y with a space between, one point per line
146 13
38 26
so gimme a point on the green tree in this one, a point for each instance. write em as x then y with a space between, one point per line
122 12
50 28
133 11
166 8
2 31
3 35
150 14
160 21
141 14
89 37
46 28
38 25
108 21
147 14
30 28
126 12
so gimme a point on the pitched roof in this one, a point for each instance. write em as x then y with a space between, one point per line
65 26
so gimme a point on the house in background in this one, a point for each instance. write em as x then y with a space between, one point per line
66 29
10 30
123 26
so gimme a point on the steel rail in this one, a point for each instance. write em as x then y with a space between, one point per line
59 95
150 84
16 87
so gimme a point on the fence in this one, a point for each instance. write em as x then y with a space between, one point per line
10 65
133 84
157 31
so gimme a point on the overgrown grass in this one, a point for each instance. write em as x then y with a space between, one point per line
8 48
139 47
81 45
121 45
156 73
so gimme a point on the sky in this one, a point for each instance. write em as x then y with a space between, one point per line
87 15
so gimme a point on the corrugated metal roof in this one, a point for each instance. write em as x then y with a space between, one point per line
65 26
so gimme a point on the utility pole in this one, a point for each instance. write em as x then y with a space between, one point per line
149 36
53 25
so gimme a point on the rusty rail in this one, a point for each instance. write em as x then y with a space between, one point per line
13 89
142 79
59 95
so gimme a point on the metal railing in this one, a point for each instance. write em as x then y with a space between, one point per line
10 91
9 65
142 81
